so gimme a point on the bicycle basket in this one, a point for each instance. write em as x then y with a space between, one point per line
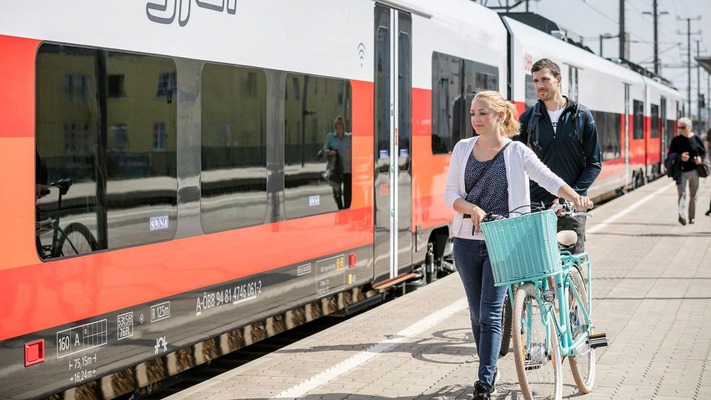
522 247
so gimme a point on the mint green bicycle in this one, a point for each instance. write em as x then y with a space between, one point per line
552 301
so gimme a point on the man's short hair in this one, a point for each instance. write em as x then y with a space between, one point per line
545 63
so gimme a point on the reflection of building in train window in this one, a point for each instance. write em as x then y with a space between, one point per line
308 118
160 136
455 81
116 86
118 138
118 181
233 178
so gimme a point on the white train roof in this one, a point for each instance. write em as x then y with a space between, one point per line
599 79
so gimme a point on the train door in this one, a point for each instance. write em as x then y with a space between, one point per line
393 238
626 133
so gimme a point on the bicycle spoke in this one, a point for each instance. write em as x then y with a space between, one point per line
537 354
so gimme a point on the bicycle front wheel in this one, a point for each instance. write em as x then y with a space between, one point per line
75 239
582 365
535 346
505 327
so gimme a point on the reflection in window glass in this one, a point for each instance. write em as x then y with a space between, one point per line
310 126
404 97
100 136
654 120
233 182
455 81
638 121
382 85
608 130
531 94
447 106
669 131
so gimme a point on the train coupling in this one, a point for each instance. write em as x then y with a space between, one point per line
597 340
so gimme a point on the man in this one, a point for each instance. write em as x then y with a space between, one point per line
689 150
563 135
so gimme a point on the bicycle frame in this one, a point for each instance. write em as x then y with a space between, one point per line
563 284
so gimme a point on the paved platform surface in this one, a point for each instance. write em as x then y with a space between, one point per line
651 295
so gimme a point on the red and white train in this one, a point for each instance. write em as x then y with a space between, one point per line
189 217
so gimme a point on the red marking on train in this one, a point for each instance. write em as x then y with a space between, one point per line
17 85
34 352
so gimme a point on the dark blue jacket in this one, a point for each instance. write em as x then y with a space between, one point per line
577 164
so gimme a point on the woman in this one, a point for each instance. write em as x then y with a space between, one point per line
480 182
338 149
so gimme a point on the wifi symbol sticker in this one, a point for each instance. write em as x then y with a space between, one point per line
361 53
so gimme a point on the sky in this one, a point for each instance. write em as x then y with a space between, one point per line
602 16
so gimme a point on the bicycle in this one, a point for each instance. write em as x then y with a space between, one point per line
552 302
74 239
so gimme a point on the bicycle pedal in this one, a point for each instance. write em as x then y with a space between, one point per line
597 340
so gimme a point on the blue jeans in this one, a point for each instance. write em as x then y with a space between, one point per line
485 303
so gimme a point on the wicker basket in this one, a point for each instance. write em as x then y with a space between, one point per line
522 247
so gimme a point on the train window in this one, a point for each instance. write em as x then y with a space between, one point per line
107 150
448 107
485 81
654 120
405 99
638 121
572 83
311 123
382 86
455 81
669 131
531 94
233 179
609 126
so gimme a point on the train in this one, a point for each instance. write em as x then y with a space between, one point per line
164 201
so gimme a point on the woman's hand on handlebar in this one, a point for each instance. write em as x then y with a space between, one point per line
583 203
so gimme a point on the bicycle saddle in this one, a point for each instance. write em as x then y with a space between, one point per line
63 185
567 238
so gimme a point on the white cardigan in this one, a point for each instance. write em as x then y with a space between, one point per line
521 162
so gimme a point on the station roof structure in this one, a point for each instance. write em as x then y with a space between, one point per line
704 62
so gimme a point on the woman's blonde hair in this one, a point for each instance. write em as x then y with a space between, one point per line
510 126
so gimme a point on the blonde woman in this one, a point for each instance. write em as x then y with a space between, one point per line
490 174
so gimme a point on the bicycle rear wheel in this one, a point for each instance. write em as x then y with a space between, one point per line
75 239
506 321
582 366
535 346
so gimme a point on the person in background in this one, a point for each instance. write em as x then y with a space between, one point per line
489 173
707 143
338 145
568 146
689 149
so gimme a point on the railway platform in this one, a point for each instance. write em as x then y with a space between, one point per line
651 295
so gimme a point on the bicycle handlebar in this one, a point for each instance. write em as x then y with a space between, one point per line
563 208
568 209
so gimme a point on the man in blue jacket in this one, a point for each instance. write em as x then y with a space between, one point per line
563 134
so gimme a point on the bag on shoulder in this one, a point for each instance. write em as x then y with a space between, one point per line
704 169
334 170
